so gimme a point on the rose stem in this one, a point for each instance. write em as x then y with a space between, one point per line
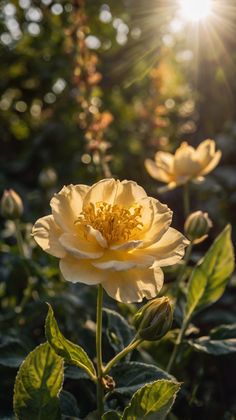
177 345
134 343
100 405
181 274
29 287
19 239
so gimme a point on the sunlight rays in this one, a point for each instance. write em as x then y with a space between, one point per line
195 10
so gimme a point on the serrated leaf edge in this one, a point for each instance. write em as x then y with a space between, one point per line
189 314
18 372
149 385
81 365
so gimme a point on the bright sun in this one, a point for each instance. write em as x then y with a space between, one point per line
195 10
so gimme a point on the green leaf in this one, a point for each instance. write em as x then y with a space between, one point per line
12 352
210 276
153 401
223 331
221 340
131 376
111 415
68 404
38 383
214 347
72 353
73 372
118 331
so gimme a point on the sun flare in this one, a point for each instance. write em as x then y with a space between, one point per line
195 10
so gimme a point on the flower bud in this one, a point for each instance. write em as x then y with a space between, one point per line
11 205
47 178
154 319
197 226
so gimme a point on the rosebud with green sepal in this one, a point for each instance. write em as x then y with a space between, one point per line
197 226
154 319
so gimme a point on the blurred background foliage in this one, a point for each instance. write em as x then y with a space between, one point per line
87 90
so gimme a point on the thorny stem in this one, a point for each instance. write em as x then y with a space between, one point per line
123 353
100 393
186 200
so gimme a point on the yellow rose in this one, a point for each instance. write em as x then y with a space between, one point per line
185 165
111 233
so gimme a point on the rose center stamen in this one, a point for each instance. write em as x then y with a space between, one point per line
116 223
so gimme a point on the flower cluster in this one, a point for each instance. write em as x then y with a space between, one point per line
112 234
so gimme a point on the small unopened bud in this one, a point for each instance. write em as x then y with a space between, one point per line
154 319
197 226
47 178
11 205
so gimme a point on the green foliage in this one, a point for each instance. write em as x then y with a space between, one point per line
72 353
118 331
68 405
148 87
131 376
12 352
215 347
211 275
221 340
38 384
153 401
223 331
111 415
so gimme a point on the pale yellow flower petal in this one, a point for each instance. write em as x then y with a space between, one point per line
156 172
112 191
134 285
94 234
115 265
169 249
120 261
80 247
127 246
161 220
80 271
46 233
103 191
205 152
128 193
165 161
185 162
67 205
147 213
214 162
